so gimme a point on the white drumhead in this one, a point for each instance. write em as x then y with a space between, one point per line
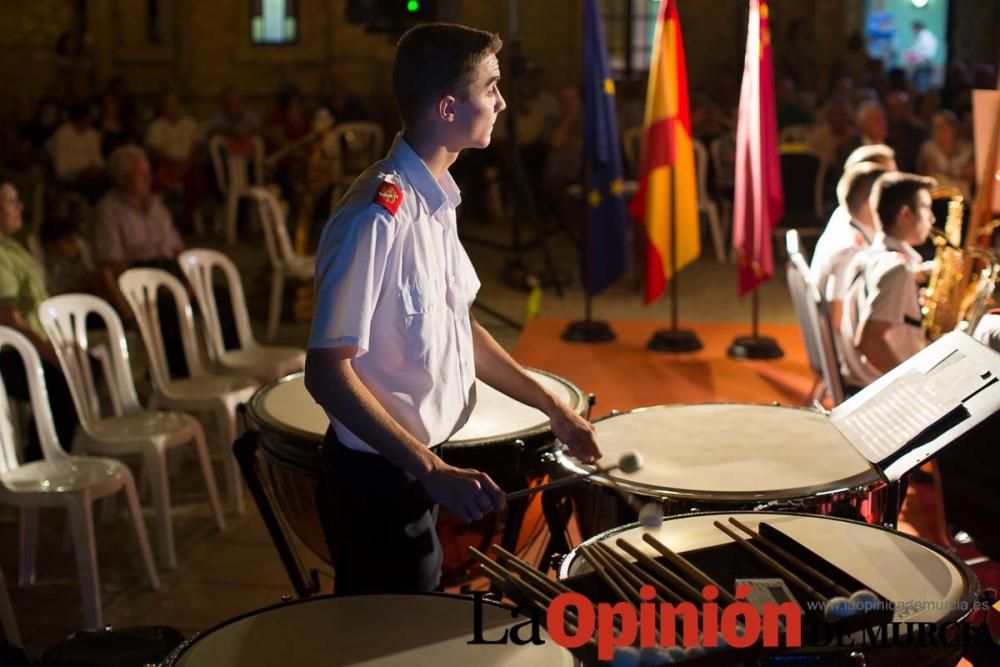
373 631
722 450
925 585
495 416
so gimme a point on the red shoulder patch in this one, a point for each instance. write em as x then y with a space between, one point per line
389 197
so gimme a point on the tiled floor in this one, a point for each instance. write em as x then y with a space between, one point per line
221 575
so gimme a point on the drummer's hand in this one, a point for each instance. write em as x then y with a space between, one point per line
576 433
468 493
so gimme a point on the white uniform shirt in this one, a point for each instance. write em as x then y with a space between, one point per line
398 287
883 290
988 331
840 242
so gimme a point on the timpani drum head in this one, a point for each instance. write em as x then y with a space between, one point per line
369 630
287 406
925 584
730 452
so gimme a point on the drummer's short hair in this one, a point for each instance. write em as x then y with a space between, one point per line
894 190
436 59
855 185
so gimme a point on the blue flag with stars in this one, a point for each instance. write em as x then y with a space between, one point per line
606 257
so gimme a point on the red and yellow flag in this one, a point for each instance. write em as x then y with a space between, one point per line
667 200
758 201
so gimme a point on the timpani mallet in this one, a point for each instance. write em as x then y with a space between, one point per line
628 462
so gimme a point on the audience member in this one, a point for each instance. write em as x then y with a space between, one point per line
173 141
235 122
905 134
75 149
22 290
872 128
945 157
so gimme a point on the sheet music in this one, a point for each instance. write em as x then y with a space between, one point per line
894 413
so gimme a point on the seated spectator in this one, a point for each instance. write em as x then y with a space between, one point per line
114 131
830 137
790 109
945 157
872 128
75 149
22 290
286 123
235 122
905 134
173 144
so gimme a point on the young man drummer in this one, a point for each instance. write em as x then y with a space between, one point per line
394 351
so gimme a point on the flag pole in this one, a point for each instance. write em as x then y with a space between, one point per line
755 346
674 339
587 330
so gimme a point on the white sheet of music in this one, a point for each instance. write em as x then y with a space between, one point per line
893 413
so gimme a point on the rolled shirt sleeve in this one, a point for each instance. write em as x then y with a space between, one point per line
350 273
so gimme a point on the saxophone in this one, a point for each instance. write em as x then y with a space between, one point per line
963 279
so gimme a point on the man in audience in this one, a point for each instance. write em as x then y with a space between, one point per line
172 140
881 322
905 135
871 122
75 149
845 236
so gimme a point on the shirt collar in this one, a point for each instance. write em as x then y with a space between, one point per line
894 244
435 193
861 229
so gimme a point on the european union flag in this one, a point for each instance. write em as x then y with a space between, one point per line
607 253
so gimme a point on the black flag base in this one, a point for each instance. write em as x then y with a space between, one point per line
674 340
755 347
588 331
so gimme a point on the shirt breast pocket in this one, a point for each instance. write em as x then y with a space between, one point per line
421 312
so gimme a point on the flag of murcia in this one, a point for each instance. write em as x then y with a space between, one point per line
389 197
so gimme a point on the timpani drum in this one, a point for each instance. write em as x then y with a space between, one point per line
925 583
504 438
727 457
371 630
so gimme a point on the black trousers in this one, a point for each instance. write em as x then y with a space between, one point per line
60 400
381 527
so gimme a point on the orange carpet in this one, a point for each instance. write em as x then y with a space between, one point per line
624 375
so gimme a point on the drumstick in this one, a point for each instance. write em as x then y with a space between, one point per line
687 566
524 569
773 564
805 567
663 574
628 462
599 569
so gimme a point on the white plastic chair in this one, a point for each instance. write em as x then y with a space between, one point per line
285 263
265 363
215 396
234 175
131 429
706 204
60 480
362 140
814 320
8 622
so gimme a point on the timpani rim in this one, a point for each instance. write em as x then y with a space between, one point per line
865 481
261 419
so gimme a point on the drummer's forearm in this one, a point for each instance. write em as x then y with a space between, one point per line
499 370
333 384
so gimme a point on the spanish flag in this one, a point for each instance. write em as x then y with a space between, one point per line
667 201
758 199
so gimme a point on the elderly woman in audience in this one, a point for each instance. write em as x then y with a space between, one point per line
945 157
21 292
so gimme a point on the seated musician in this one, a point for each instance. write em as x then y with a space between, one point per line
881 322
845 236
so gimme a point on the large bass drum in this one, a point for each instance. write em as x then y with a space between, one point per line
724 457
504 438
